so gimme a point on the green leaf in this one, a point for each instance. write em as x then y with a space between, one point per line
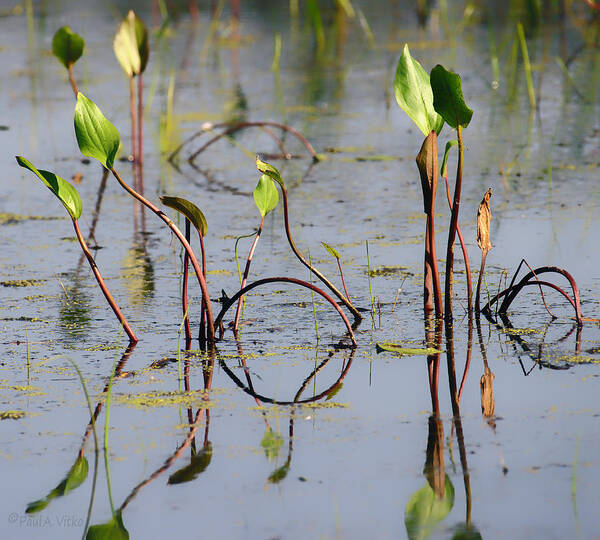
448 99
75 477
141 38
67 46
125 46
271 443
269 170
425 510
279 474
112 530
189 210
266 196
405 351
414 95
331 251
449 145
466 531
96 136
65 192
197 465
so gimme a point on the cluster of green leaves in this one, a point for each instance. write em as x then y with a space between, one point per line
430 100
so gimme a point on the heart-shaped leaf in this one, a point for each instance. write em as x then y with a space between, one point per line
96 136
75 477
331 251
111 530
67 46
266 196
197 465
269 170
65 192
425 510
189 210
125 46
448 98
414 95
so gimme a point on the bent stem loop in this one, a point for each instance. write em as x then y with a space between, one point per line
330 286
295 281
185 244
105 291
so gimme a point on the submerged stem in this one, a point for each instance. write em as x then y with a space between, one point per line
186 246
103 287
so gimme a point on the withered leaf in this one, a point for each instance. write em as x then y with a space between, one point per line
427 161
486 385
484 216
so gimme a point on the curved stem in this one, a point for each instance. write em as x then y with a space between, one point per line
330 286
103 287
72 79
186 246
246 272
343 282
264 281
243 125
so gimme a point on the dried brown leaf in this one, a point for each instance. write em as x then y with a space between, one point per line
484 216
427 162
486 385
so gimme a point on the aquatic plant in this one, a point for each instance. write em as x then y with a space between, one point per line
99 139
266 199
414 95
70 199
271 171
68 47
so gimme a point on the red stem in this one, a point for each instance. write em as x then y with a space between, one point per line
264 281
246 272
184 242
133 118
184 300
105 291
343 282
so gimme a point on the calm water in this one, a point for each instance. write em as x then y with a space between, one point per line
364 452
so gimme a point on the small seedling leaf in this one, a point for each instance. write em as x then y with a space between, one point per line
425 510
67 46
189 210
414 95
405 351
266 196
197 466
112 530
448 98
96 136
271 443
484 216
75 477
65 192
141 38
449 145
331 251
125 46
269 170
428 164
